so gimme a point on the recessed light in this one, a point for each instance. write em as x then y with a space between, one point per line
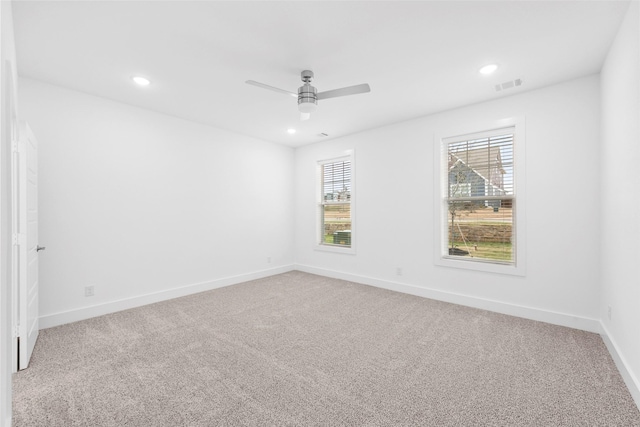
488 69
142 81
291 131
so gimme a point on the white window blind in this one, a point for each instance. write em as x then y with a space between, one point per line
336 181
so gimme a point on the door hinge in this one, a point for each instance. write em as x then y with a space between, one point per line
18 239
14 146
16 331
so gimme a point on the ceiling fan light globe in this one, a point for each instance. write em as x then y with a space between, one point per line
307 107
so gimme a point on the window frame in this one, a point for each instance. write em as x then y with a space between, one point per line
441 189
320 203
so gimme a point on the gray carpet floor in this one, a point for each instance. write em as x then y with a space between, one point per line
303 350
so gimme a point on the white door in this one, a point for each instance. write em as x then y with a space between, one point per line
28 244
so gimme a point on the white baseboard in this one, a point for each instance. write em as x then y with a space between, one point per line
633 384
56 319
555 318
562 319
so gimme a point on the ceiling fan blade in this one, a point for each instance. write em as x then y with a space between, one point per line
351 90
305 116
275 89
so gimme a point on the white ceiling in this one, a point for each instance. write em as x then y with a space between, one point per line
419 57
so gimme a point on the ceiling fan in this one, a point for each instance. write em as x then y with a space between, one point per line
308 95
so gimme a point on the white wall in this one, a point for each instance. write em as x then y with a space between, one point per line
395 208
8 113
141 205
620 205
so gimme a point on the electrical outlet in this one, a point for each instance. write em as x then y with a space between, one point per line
89 291
399 271
609 312
268 260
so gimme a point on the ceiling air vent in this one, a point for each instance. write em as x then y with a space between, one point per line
508 85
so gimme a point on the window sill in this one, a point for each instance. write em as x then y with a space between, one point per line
481 265
336 249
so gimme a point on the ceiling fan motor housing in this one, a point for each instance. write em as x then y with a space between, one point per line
307 98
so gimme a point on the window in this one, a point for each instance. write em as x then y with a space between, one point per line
336 193
477 208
